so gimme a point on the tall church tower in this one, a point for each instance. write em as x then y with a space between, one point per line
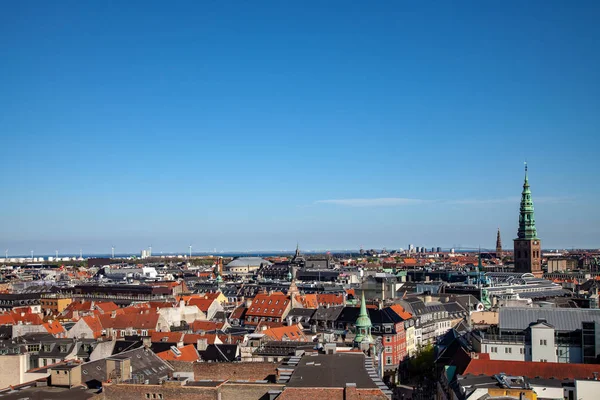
527 244
498 245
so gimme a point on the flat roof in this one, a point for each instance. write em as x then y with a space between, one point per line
331 370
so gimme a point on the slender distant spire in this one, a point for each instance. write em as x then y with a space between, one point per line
498 245
526 217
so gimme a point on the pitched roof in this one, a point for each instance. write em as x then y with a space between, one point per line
94 324
308 300
192 338
186 353
402 313
532 369
292 332
205 326
239 313
202 303
107 306
330 299
168 337
7 319
268 305
220 352
54 327
124 321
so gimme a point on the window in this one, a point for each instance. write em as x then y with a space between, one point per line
522 350
147 395
388 349
507 350
543 342
388 360
388 339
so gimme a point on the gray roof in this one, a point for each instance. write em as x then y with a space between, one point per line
331 370
563 319
144 363
248 261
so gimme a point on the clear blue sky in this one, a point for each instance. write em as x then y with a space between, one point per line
256 125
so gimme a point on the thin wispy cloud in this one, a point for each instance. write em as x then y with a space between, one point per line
374 202
403 201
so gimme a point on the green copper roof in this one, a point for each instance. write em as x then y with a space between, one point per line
363 320
526 217
363 324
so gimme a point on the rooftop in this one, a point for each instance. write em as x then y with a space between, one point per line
331 370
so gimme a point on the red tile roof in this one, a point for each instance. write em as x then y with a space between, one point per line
330 299
168 337
136 321
402 313
192 338
93 322
238 313
106 307
289 333
7 319
308 300
54 328
268 305
205 326
532 369
202 303
186 353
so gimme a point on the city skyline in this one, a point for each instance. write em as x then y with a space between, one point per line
243 127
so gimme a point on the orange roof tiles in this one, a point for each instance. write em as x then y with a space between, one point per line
192 338
54 328
308 300
7 319
94 324
268 305
291 333
205 326
168 337
402 313
202 303
330 299
186 353
136 321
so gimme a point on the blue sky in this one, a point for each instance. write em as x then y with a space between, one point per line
256 125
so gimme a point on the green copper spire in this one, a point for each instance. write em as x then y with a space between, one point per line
526 218
363 323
